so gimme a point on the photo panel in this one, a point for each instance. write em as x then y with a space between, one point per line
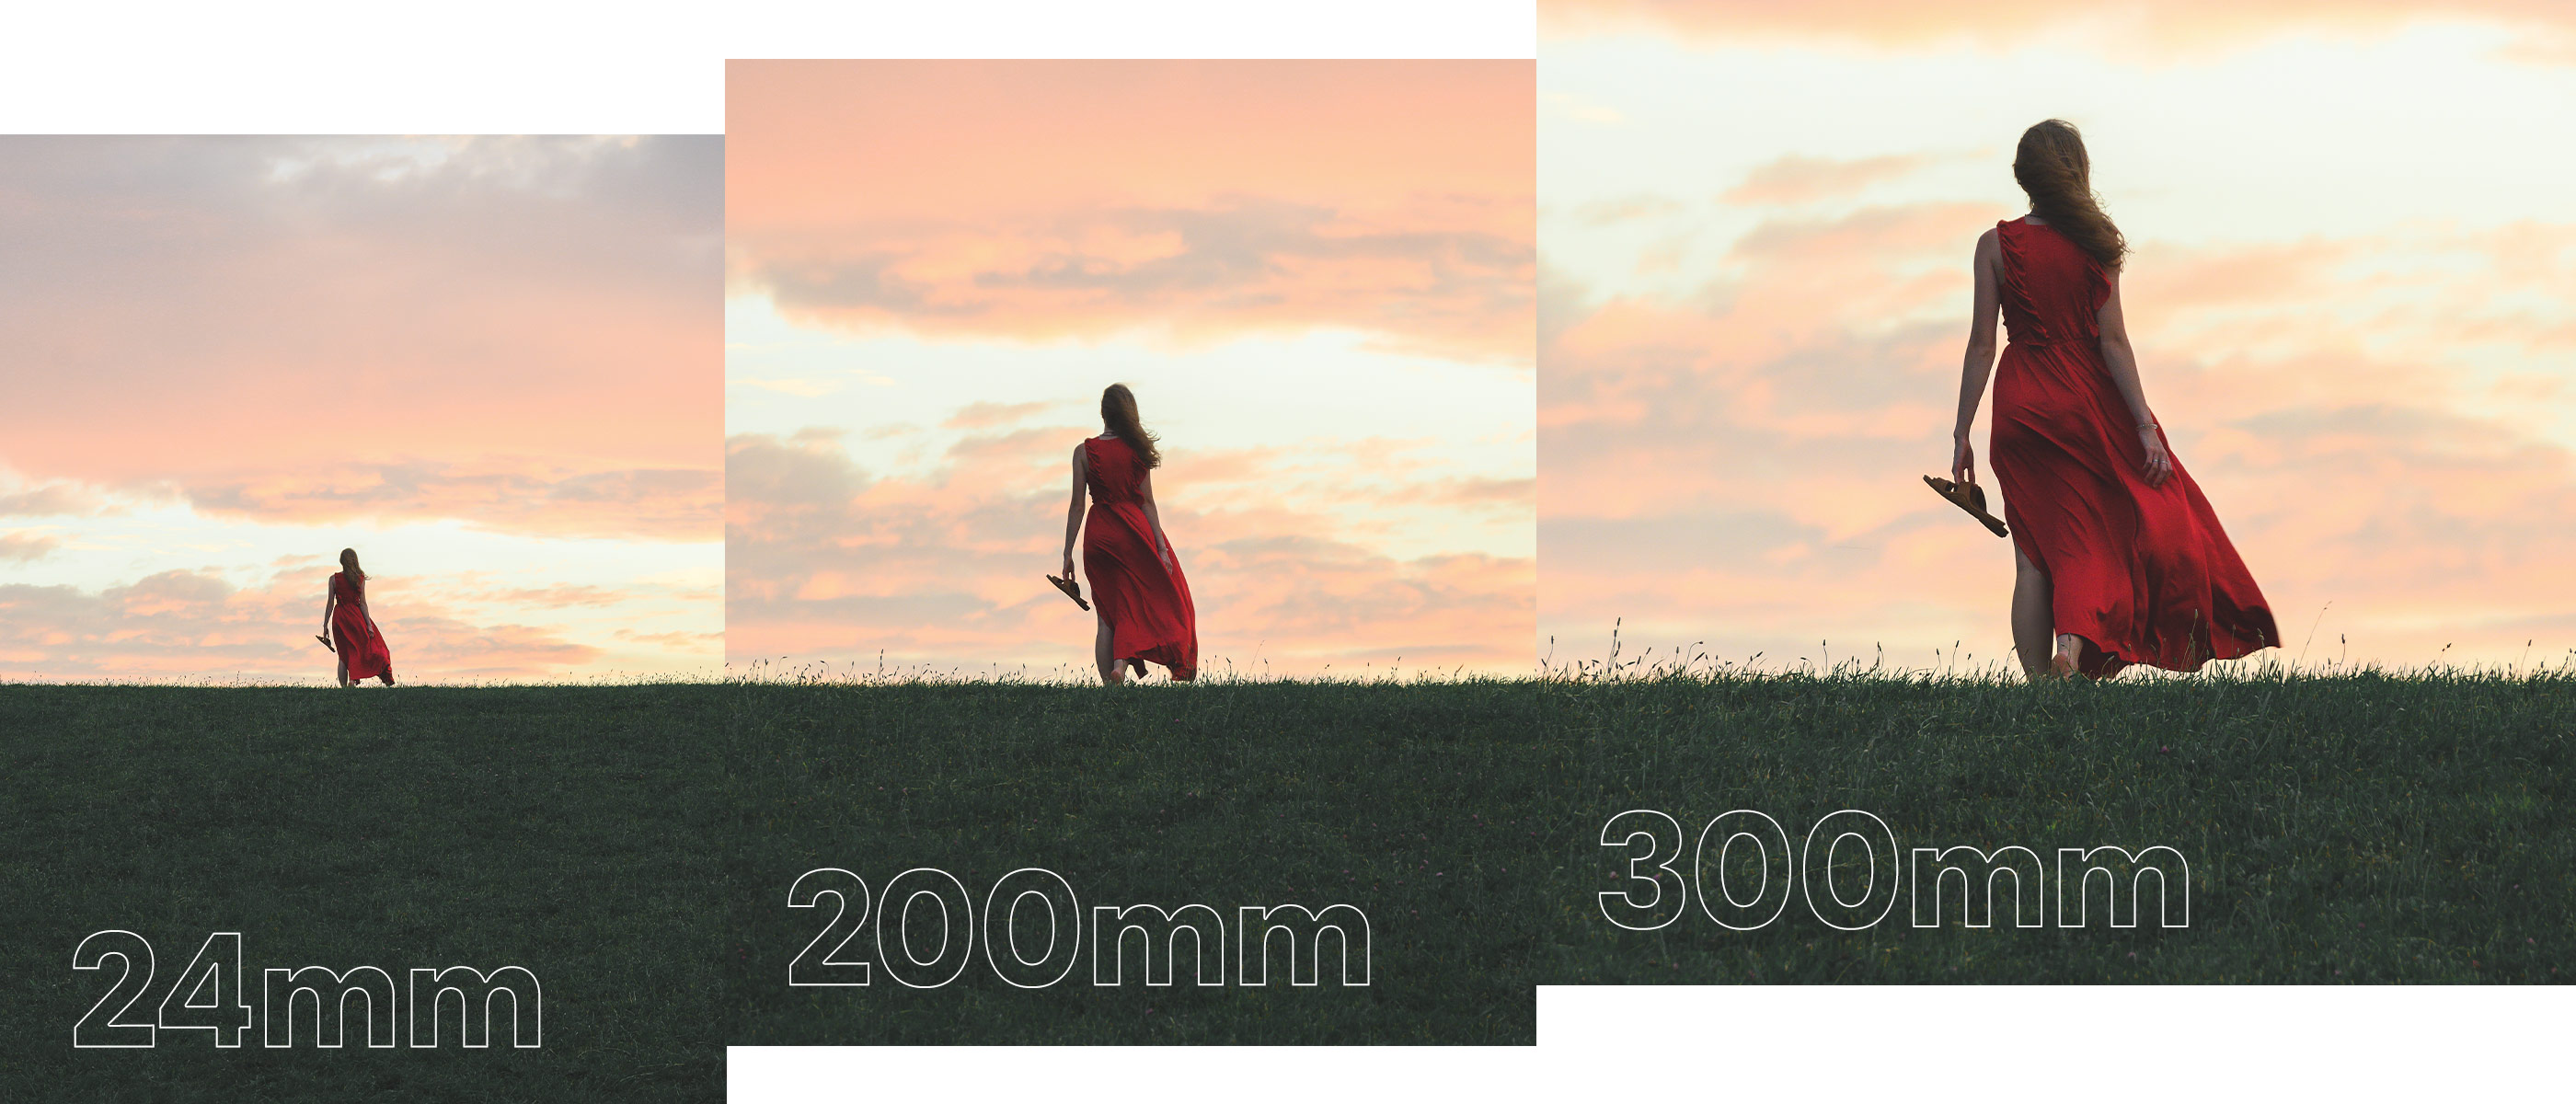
361 616
1313 276
2260 673
481 364
1312 282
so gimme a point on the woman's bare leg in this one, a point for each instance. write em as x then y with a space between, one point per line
344 672
1100 653
2069 660
2032 618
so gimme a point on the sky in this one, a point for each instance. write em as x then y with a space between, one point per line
1318 278
2349 296
492 366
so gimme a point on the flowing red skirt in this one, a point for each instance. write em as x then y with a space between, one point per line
358 642
2143 574
1146 602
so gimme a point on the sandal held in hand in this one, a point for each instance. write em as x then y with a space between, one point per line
1969 497
1071 590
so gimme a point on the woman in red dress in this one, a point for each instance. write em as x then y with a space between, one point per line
353 632
1136 583
2120 558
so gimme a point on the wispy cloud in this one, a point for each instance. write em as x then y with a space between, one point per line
182 623
458 353
1187 274
526 497
1740 469
2347 297
24 547
351 316
52 500
1319 277
1303 200
1797 179
828 560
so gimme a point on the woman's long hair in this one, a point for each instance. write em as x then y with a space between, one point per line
2052 168
1118 412
349 567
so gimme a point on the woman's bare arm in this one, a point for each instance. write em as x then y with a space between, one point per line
330 598
1145 490
1073 512
2122 362
1980 359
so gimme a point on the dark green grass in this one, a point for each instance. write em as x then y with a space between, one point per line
1422 804
633 845
564 830
2363 828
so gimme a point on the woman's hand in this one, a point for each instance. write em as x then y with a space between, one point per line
1068 565
1963 462
2159 464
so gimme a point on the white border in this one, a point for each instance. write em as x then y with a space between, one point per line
2094 1043
2269 1043
593 67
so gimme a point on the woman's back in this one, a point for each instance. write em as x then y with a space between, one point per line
2051 291
1112 470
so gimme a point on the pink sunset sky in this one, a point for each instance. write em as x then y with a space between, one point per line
490 365
1317 276
2349 296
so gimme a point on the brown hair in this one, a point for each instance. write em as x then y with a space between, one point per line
1118 412
349 565
2052 168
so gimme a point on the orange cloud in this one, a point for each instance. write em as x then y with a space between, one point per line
52 500
828 561
1611 212
526 497
1738 469
191 624
1902 23
559 596
983 415
688 640
1189 201
26 547
525 333
1794 179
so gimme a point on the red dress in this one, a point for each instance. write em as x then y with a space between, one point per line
353 633
1145 600
2143 574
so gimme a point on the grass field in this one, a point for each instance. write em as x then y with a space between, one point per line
1421 804
2360 828
565 830
634 847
